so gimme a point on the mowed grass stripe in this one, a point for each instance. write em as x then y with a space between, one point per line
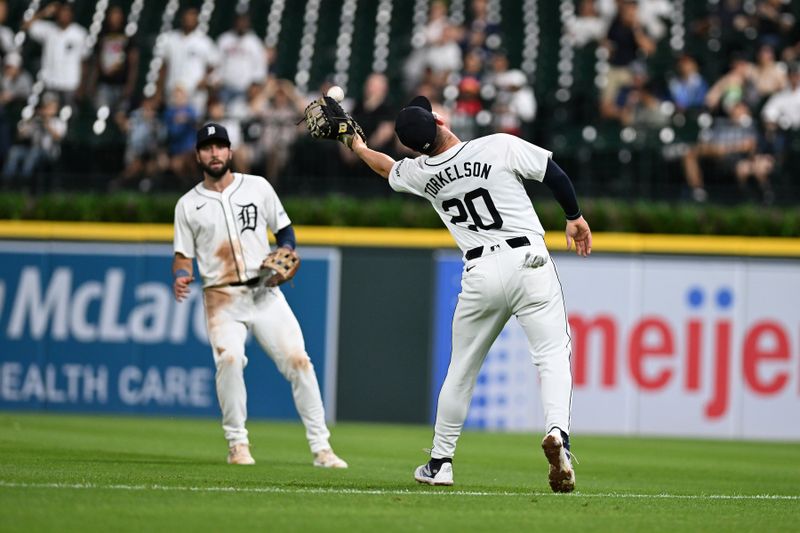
92 473
392 492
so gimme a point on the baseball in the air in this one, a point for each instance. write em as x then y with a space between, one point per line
336 92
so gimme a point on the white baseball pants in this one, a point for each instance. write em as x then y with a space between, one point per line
493 288
230 311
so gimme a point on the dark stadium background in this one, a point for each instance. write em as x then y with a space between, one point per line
603 159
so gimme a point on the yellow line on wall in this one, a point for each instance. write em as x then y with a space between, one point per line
84 231
415 238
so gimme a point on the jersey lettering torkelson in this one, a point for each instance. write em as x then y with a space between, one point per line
476 187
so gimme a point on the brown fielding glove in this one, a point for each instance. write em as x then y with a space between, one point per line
326 119
279 266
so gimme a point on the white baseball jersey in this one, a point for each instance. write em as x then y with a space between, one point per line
227 231
476 187
245 60
188 57
62 53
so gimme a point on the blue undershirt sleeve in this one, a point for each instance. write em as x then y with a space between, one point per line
561 186
285 237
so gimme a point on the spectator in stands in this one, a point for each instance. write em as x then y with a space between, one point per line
588 26
15 86
468 104
641 107
481 33
439 53
791 53
473 64
374 112
39 141
781 113
114 66
497 64
272 62
63 49
445 57
437 23
281 130
775 21
732 143
144 156
782 110
245 60
16 83
432 93
181 121
636 101
469 97
687 88
768 76
514 106
415 67
734 87
726 27
189 56
731 14
606 9
250 114
626 42
376 116
6 34
652 16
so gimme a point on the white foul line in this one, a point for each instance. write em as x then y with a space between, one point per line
393 492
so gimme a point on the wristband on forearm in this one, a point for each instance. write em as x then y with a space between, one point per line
182 273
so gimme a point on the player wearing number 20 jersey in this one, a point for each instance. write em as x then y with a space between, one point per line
476 188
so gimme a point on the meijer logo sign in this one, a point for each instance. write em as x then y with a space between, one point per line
660 345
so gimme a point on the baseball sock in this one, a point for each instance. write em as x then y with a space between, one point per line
436 464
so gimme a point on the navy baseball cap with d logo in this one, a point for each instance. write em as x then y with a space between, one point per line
416 126
211 132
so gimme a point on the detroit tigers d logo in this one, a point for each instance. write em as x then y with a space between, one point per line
248 217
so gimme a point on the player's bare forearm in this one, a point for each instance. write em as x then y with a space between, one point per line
379 162
182 271
578 232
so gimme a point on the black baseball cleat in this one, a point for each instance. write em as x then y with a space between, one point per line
562 475
435 472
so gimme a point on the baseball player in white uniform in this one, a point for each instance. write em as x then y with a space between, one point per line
476 188
222 223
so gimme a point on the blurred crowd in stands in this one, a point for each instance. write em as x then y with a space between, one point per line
746 112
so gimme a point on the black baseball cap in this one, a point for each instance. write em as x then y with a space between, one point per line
416 126
212 131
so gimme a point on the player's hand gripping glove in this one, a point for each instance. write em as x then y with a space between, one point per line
279 266
326 119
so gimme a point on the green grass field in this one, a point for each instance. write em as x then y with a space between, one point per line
91 473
